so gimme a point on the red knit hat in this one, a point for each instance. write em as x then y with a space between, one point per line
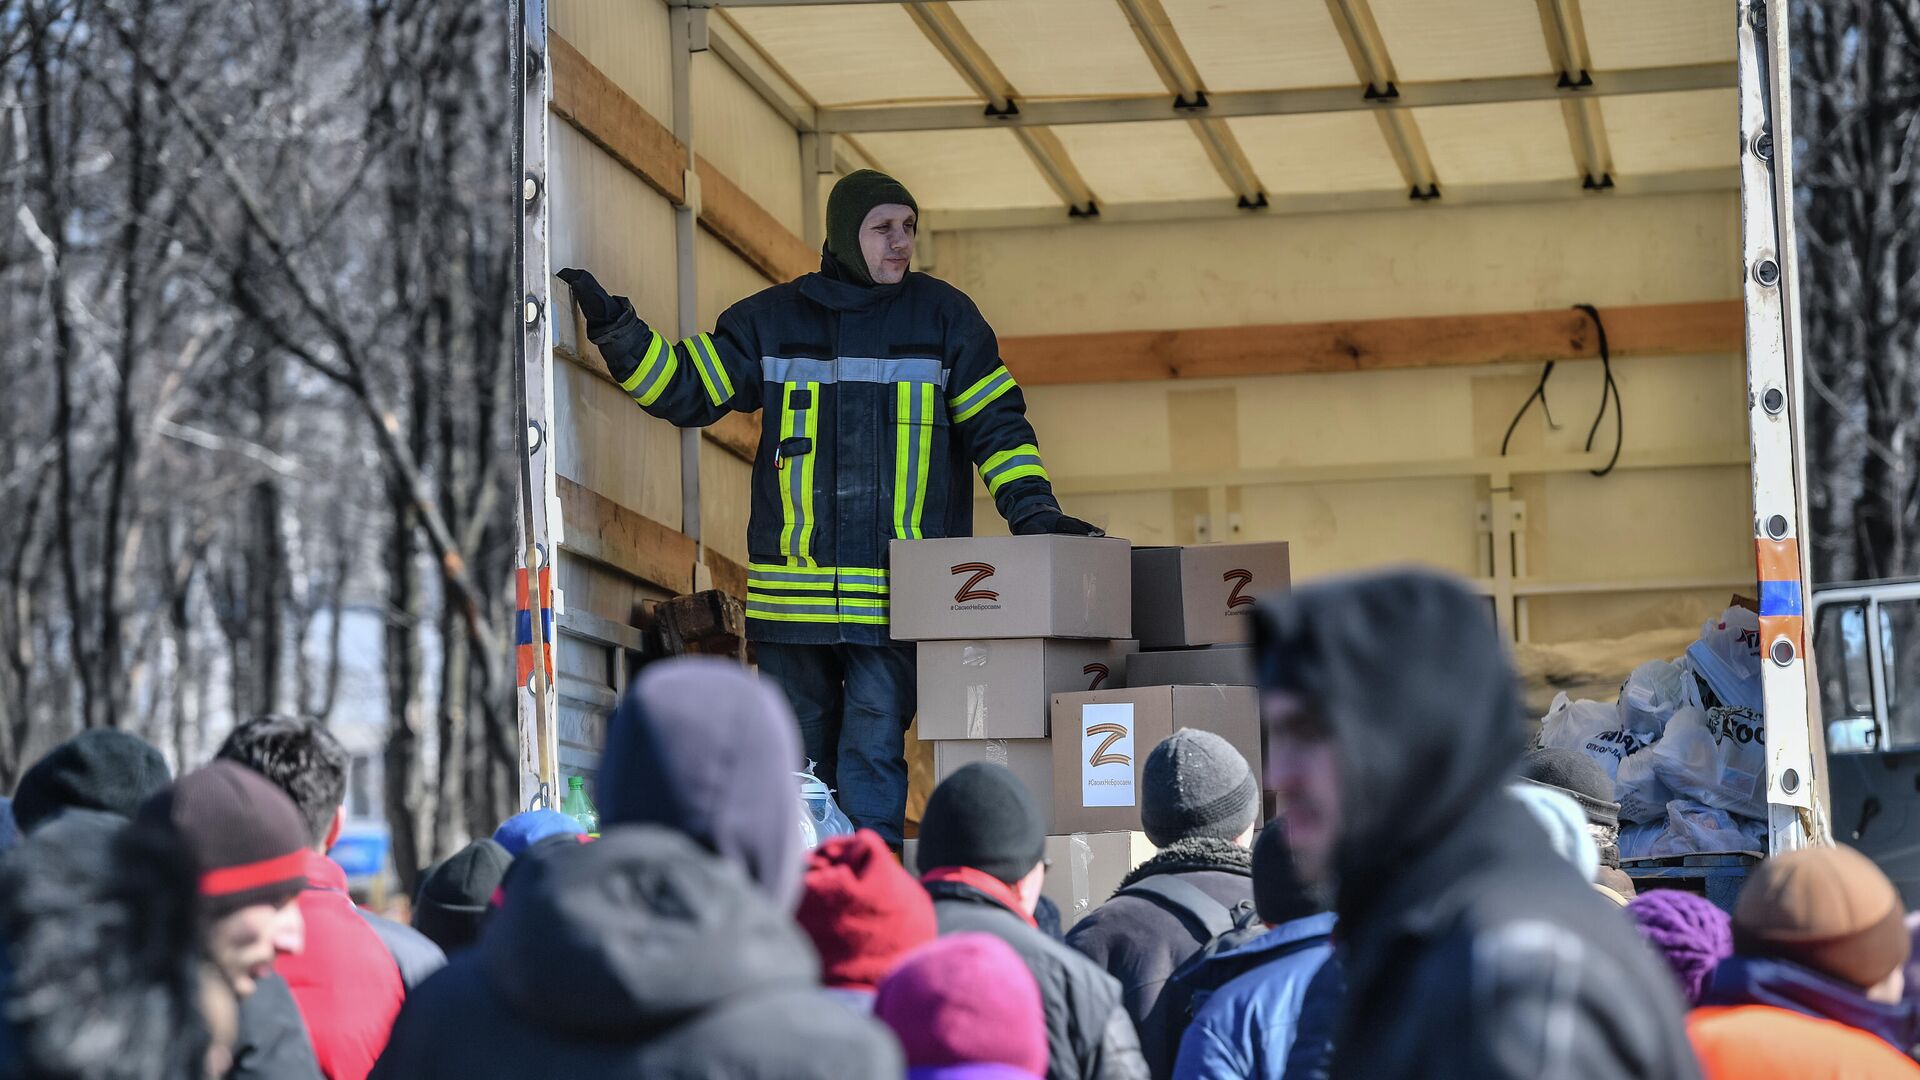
966 999
245 835
862 910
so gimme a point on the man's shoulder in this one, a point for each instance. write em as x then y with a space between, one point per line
413 952
1760 1040
802 1030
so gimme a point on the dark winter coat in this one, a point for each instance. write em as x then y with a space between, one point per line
1311 1056
1141 941
273 1043
1247 1029
1089 1034
877 406
1471 949
413 952
1781 984
640 955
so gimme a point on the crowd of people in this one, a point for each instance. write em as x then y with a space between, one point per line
1433 901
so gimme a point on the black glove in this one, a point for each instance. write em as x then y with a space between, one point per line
1053 522
602 311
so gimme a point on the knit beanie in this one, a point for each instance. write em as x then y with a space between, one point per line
521 831
1578 776
247 839
1565 826
1279 896
862 910
703 746
982 817
966 999
1196 784
851 200
99 769
1826 908
1688 931
454 895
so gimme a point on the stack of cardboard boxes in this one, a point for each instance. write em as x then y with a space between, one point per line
1027 660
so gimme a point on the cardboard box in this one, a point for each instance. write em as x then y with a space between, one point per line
1227 665
1083 871
1029 759
995 689
1011 587
1202 595
1101 741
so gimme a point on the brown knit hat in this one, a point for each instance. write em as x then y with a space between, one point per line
247 839
1827 908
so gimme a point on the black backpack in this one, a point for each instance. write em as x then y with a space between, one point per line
1223 929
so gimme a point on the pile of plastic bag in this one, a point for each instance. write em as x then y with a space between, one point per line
1685 745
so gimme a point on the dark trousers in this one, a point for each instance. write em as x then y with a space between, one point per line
854 703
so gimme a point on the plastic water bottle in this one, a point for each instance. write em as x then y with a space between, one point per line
580 808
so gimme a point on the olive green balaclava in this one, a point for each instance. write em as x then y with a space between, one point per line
853 198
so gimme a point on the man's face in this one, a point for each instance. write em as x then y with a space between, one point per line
886 241
1303 767
246 942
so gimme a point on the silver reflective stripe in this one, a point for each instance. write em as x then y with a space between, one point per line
816 578
860 369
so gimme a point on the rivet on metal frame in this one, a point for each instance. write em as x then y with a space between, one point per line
1774 400
1777 527
532 312
1782 652
1766 272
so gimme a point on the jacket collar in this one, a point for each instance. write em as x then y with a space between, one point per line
830 288
1194 854
324 873
974 886
1748 980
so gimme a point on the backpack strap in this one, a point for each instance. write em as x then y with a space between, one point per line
1186 900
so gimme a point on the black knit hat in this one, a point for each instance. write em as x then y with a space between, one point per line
852 199
247 839
99 769
1577 775
1196 784
454 895
982 817
1278 893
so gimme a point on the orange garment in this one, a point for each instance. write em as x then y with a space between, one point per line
1760 1042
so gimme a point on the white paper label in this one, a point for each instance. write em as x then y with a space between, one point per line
1106 755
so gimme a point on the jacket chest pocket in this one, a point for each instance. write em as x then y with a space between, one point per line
919 452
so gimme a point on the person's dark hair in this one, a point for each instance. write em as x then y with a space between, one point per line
301 757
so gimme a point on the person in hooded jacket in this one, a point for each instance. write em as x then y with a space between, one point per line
1815 986
1247 1028
1198 803
1470 949
982 859
667 948
881 391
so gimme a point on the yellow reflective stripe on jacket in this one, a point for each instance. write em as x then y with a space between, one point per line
1009 465
789 593
912 455
655 372
968 403
795 476
713 374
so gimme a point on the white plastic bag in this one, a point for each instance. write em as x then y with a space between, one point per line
1693 828
1637 787
1636 841
1592 727
821 818
1727 659
1717 757
1652 694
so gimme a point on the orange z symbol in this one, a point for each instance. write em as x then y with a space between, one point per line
1099 673
1114 733
1241 580
981 572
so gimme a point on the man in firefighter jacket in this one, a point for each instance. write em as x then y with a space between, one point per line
881 391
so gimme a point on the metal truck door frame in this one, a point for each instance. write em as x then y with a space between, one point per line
1796 759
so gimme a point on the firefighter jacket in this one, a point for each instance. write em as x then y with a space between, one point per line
877 404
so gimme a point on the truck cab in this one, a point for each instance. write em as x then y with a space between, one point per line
1867 652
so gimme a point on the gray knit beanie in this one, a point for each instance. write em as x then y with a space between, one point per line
1196 784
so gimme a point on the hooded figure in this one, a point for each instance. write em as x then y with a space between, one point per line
880 392
1470 948
639 955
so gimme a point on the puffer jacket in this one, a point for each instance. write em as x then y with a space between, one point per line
1247 1029
1142 942
1089 1035
1762 1019
1471 950
878 403
640 955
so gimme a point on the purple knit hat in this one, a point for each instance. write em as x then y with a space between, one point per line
1689 931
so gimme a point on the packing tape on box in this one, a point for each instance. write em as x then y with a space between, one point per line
977 711
1080 861
996 751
